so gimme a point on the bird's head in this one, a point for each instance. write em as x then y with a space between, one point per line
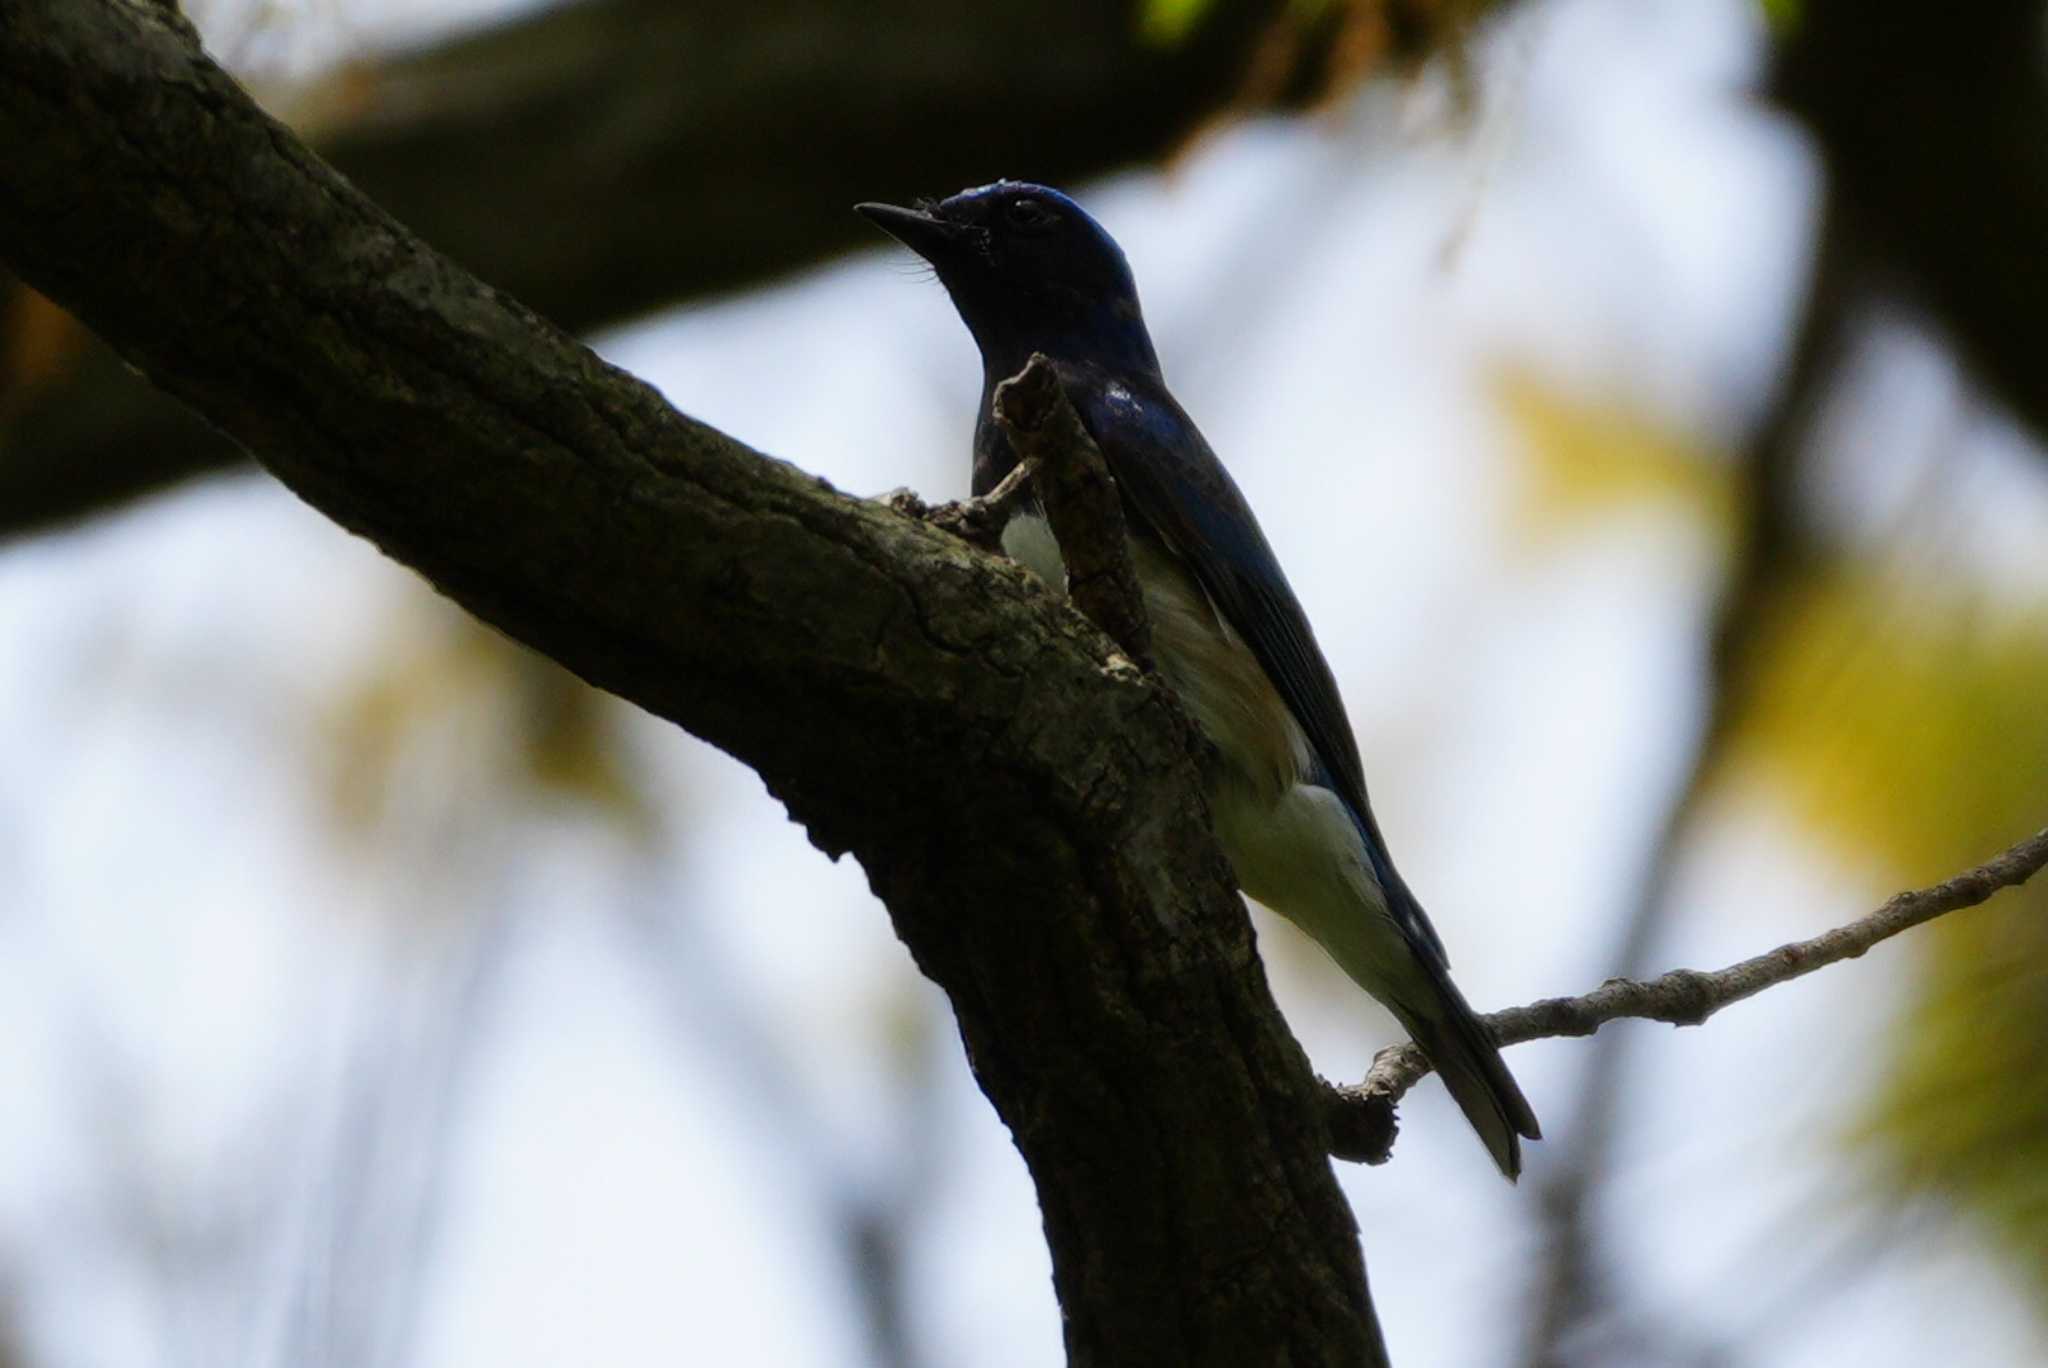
1029 271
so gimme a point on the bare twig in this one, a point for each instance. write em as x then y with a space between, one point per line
1362 1116
978 522
1572 1286
1081 503
1059 464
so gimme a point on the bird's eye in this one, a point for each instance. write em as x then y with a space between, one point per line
1030 215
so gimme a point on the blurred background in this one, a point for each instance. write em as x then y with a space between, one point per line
372 992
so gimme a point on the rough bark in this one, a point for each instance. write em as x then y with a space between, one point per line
1081 502
603 159
1027 807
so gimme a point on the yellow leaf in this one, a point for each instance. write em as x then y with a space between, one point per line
447 686
1592 459
1962 1116
1908 721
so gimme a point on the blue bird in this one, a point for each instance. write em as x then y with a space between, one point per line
1030 271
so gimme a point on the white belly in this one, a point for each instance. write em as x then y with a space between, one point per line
1292 844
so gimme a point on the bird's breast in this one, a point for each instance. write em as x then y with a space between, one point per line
1028 540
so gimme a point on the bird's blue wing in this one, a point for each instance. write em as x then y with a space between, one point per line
1176 489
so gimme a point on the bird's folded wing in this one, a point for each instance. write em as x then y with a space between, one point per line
1174 487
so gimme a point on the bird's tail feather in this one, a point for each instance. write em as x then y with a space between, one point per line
1462 1050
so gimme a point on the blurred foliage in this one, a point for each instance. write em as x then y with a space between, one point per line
1168 21
1964 1113
1356 40
1588 459
1908 721
1906 718
1904 715
1781 15
448 687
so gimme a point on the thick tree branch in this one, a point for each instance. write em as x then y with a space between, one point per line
1029 811
1362 1123
681 147
602 159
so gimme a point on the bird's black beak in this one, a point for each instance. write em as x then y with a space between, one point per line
928 235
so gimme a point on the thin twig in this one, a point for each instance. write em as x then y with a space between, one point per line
1059 465
1573 1286
1362 1116
978 522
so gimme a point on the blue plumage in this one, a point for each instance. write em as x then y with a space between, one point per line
1030 271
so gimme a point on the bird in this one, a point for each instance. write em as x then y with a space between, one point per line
1031 272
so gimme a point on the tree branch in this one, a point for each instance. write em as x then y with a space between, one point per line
1029 811
600 160
1934 127
1058 464
1081 504
1574 1288
1362 1121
